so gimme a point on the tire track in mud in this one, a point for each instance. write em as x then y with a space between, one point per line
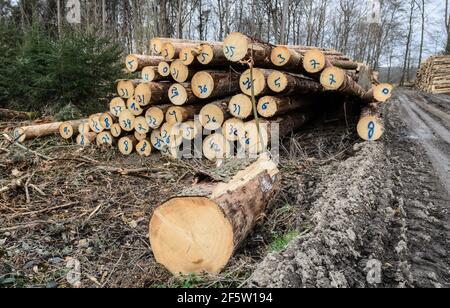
419 150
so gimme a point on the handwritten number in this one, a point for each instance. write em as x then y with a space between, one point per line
371 128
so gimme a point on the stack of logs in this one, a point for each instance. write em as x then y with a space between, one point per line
434 75
234 90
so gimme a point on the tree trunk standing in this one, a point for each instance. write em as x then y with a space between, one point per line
58 5
200 18
408 44
104 17
227 18
423 33
179 22
447 23
284 18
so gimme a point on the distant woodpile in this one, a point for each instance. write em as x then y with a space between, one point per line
237 88
434 75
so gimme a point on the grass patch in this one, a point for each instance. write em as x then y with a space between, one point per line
282 240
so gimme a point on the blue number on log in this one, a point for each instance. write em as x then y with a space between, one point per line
371 128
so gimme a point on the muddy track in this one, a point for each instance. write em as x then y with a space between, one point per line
381 217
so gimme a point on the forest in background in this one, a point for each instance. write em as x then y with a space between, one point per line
53 63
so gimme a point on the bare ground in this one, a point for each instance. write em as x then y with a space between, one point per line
381 217
368 215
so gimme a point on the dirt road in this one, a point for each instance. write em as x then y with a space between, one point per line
381 218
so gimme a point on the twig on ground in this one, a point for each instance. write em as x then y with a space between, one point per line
22 147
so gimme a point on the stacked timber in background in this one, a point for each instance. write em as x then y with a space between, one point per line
238 90
433 75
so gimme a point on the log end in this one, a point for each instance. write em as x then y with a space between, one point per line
314 61
232 129
144 148
116 130
141 126
370 128
211 117
116 106
106 119
126 120
191 235
95 124
179 71
142 95
206 54
202 85
191 130
164 69
383 92
131 63
168 51
259 82
216 147
155 117
125 88
277 81
178 94
148 73
104 138
280 56
157 141
86 139
267 106
126 145
235 47
66 130
188 55
156 46
240 106
254 141
332 78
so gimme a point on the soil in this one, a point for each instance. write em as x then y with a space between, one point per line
368 214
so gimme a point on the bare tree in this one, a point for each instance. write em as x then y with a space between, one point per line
408 44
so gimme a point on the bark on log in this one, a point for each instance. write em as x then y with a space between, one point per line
287 84
337 79
215 84
199 231
7 114
21 134
238 47
152 93
157 43
136 62
273 106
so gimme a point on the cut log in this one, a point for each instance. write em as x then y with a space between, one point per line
238 47
21 134
155 116
126 120
139 136
337 79
116 106
171 134
287 84
215 84
96 124
68 129
135 62
141 126
241 106
214 114
107 120
151 74
171 50
127 144
191 130
232 129
125 88
178 114
157 141
217 147
7 114
379 93
272 106
144 148
84 127
314 61
86 139
134 107
181 94
259 82
255 142
198 231
212 54
188 55
116 130
287 59
164 69
152 93
180 72
105 138
370 126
